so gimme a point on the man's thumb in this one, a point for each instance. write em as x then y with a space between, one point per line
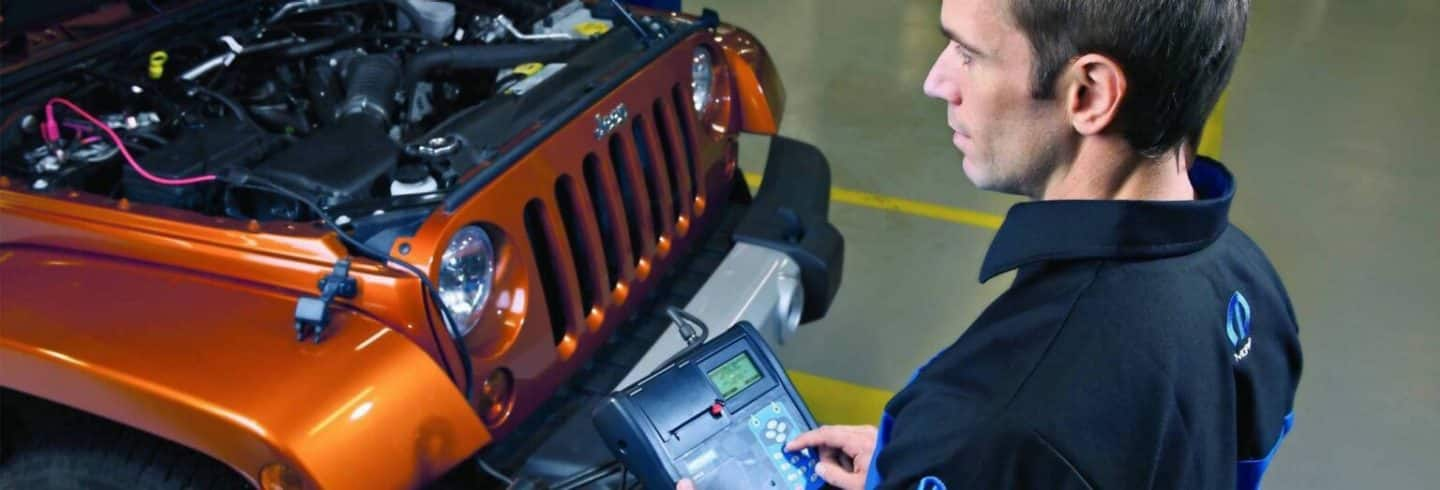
828 471
837 476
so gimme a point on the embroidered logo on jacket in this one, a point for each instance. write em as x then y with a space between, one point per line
1237 325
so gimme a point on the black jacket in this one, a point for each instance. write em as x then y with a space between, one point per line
1141 345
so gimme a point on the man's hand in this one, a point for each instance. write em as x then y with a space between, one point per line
844 453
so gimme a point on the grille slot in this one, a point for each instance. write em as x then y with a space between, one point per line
681 103
581 241
655 179
630 196
545 263
681 185
610 226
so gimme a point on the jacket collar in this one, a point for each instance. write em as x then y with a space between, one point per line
1040 231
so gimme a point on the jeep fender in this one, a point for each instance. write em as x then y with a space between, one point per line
214 365
759 95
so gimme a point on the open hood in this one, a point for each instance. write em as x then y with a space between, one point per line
30 30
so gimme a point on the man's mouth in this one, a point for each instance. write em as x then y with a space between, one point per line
960 140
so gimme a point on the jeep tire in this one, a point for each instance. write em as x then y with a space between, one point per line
49 446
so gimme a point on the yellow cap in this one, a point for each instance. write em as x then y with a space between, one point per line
157 64
529 69
592 28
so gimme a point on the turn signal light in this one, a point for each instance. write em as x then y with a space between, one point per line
277 476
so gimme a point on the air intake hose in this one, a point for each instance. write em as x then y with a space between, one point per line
370 87
481 57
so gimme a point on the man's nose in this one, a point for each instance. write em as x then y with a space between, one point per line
936 85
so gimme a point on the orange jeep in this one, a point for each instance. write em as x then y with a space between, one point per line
356 243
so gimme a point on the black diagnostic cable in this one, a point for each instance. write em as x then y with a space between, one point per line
687 323
241 178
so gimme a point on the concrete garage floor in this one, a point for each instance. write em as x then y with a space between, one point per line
1327 128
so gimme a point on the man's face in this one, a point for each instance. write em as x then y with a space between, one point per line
1011 142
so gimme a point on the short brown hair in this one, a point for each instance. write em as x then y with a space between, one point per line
1177 56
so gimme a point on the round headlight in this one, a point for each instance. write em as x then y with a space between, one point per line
702 76
467 271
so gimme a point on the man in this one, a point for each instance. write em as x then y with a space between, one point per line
1145 341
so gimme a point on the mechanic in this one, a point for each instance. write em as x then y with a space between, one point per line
1145 341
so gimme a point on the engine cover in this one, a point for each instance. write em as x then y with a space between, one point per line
336 163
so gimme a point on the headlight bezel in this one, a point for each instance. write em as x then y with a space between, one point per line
466 275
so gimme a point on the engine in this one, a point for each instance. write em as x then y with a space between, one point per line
334 100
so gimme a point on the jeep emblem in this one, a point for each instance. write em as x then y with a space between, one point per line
605 123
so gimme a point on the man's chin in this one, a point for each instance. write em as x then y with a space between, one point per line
975 173
980 175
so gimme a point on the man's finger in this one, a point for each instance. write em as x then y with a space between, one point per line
856 440
685 484
824 436
807 439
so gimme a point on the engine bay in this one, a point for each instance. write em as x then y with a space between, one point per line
338 101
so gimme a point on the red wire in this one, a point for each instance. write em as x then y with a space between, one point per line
51 132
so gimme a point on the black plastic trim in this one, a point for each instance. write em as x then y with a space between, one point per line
790 214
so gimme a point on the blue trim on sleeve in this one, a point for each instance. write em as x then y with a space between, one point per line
1249 472
873 478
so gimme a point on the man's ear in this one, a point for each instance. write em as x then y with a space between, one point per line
1095 87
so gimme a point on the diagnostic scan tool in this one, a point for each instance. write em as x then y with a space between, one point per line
720 415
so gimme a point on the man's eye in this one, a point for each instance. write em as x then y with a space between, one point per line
965 57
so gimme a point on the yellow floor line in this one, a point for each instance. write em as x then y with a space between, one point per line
838 402
906 206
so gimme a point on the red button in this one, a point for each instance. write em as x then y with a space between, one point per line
716 409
